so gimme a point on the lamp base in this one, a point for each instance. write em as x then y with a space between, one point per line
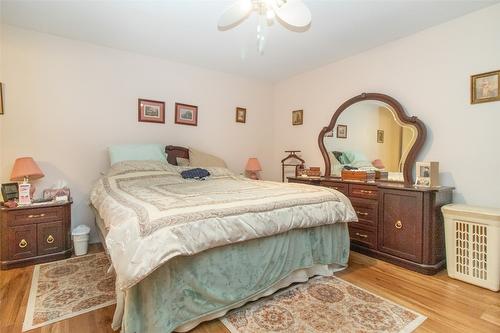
253 175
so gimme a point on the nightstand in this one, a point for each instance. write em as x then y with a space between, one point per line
34 234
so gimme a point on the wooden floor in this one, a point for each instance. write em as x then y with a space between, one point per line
450 305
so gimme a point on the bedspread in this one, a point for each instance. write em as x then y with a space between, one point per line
154 215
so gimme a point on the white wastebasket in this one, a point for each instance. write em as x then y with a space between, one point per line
473 244
81 239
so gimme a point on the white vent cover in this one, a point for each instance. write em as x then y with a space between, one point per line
472 245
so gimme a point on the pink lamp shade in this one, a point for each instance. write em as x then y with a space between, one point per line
253 165
25 167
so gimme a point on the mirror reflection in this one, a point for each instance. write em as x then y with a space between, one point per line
369 136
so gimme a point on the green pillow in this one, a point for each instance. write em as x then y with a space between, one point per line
137 152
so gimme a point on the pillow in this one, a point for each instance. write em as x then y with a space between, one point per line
199 159
182 161
354 156
136 152
337 154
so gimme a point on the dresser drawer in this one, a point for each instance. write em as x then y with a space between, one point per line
50 237
366 210
21 242
362 236
341 187
363 191
36 215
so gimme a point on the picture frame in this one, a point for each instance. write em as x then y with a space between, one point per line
241 115
186 114
380 136
298 117
10 191
485 87
342 131
150 111
1 98
329 134
427 174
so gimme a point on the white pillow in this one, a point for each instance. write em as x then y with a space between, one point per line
200 159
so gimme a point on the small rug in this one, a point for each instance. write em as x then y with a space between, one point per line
67 288
323 304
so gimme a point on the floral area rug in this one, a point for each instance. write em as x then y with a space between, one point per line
323 304
67 288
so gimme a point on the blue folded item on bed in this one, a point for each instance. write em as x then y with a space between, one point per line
197 173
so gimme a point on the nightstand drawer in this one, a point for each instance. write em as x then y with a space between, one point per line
22 242
50 237
35 215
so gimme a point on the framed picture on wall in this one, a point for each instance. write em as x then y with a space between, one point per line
342 131
380 136
485 87
186 114
298 117
241 115
151 111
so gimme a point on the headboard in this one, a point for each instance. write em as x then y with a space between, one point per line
175 151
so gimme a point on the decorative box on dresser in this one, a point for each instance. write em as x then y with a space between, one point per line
397 223
34 234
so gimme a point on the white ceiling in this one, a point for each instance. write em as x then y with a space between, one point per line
186 30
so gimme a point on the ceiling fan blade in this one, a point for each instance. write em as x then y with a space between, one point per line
294 13
235 14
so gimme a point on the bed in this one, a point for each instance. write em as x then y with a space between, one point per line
186 251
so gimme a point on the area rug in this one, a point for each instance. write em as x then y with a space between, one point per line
67 288
323 304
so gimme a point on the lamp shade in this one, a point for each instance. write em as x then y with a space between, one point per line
253 165
25 167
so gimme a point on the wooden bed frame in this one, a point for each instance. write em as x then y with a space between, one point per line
175 151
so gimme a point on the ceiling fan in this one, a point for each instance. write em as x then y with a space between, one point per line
292 14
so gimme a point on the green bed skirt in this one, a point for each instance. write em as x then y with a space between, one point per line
187 288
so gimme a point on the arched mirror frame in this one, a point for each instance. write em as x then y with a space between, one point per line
400 113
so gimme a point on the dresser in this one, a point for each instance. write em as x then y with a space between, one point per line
34 234
396 223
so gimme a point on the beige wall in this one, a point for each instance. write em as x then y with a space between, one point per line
429 74
68 101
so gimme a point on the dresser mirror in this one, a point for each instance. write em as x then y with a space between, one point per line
372 132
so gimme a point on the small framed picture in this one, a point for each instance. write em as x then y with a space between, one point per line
380 136
151 111
1 98
186 114
241 115
10 191
329 134
485 87
427 174
342 131
298 117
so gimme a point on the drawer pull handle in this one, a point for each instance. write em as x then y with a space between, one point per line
361 213
35 216
398 225
23 243
366 191
361 235
50 239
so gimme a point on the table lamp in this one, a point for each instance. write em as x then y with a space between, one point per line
253 167
26 169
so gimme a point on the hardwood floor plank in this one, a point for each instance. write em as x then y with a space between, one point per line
450 305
